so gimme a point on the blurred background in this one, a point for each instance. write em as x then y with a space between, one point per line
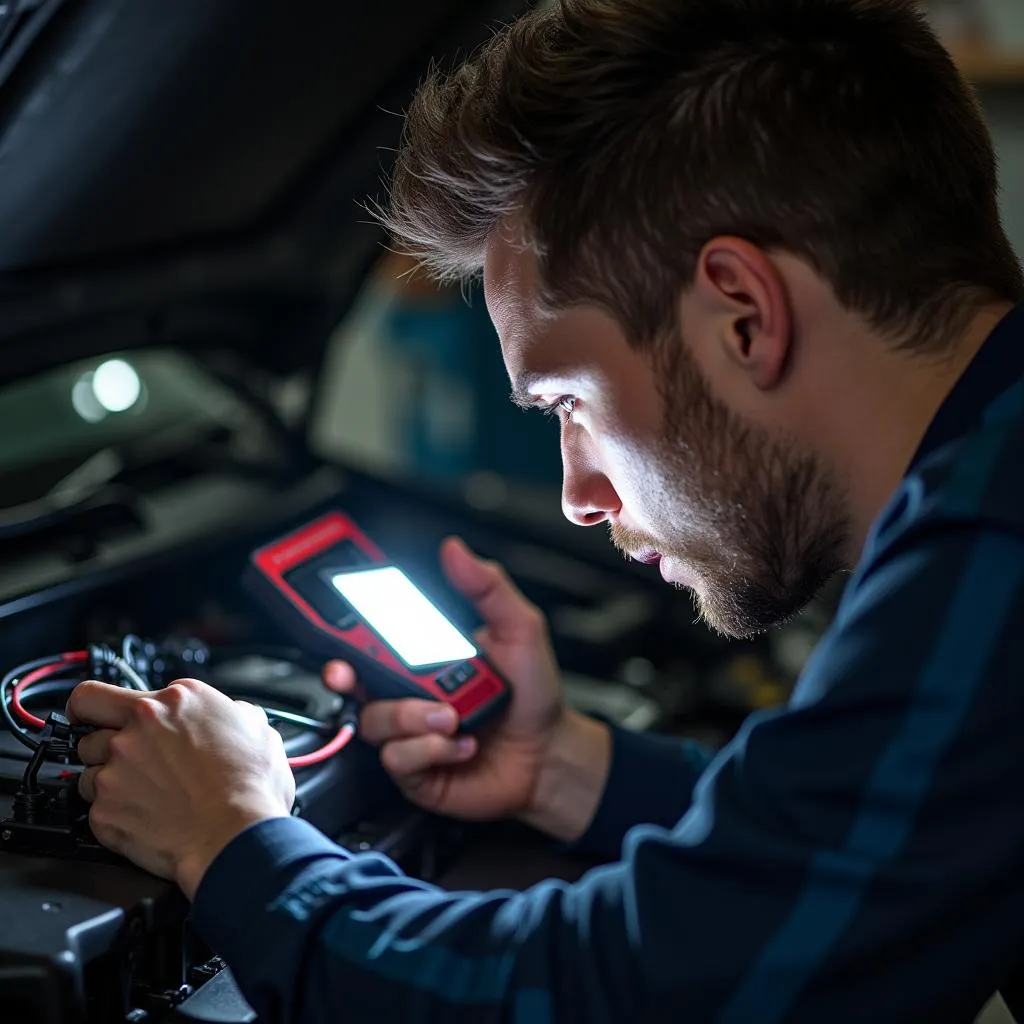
416 379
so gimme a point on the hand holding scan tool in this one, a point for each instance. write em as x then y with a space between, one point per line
338 595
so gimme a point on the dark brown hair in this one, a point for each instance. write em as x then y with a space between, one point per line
628 133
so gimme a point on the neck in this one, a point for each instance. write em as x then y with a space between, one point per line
891 405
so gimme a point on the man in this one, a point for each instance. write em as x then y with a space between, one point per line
748 252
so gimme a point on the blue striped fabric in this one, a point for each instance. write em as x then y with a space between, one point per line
856 856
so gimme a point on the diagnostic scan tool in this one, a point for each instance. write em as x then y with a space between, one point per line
338 596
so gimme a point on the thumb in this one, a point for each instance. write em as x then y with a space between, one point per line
495 597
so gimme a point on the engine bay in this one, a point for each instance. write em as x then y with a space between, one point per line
144 599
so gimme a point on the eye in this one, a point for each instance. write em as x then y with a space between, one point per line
566 404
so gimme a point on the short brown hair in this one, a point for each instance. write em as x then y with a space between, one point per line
629 133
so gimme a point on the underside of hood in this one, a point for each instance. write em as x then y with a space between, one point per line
192 173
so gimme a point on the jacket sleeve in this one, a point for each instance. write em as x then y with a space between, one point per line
650 782
856 856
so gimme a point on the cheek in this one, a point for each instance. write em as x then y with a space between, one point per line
647 487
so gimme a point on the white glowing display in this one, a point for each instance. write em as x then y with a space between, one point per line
393 606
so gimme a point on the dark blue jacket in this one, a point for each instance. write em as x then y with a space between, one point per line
855 856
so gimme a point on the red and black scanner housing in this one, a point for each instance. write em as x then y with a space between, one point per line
291 575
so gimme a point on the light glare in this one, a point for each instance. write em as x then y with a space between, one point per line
116 385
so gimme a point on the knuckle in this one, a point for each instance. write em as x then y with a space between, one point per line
85 785
147 709
254 711
101 783
176 692
119 745
498 571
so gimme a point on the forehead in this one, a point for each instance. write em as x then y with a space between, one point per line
512 292
535 339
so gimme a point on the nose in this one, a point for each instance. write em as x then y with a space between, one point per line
588 496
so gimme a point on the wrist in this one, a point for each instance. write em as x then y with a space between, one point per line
195 861
572 777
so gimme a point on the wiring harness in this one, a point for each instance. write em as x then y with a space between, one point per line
138 665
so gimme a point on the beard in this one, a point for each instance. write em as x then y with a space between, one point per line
765 524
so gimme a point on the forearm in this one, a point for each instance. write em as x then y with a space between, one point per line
599 781
315 935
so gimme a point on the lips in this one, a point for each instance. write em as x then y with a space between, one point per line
648 557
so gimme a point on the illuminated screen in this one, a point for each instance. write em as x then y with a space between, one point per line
395 607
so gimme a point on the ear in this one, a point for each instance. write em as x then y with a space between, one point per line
744 293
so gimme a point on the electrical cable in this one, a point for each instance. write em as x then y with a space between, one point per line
103 655
345 735
35 678
16 730
280 715
42 689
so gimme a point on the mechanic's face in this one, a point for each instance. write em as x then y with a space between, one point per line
752 526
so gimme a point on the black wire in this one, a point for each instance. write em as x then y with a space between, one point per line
293 719
40 689
48 685
16 673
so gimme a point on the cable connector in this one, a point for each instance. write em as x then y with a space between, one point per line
350 715
102 660
58 741
61 737
30 802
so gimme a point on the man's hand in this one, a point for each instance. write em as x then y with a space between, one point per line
541 762
174 775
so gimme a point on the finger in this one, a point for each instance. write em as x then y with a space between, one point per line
103 704
412 756
339 676
385 720
87 783
95 748
497 599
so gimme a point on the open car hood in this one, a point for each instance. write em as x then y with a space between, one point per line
191 173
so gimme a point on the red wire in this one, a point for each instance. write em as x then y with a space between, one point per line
35 676
344 736
340 741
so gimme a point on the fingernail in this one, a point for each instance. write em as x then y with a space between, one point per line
465 746
443 718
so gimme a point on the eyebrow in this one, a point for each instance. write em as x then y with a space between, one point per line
525 382
522 386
